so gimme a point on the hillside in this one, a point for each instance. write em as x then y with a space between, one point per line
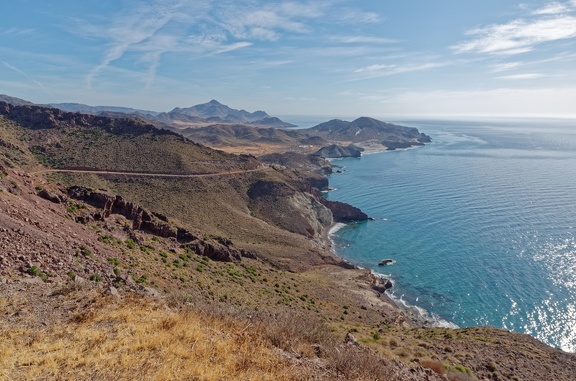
366 133
206 264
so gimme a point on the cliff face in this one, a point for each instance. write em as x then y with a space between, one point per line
305 212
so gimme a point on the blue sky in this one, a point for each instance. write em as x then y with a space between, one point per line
325 57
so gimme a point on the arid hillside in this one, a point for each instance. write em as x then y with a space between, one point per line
129 252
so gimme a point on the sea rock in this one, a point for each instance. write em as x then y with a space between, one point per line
381 285
385 262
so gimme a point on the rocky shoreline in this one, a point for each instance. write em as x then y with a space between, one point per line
380 285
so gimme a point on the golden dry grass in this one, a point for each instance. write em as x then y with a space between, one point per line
138 340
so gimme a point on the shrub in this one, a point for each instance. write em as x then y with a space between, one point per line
436 366
130 243
35 271
113 261
85 251
96 278
142 279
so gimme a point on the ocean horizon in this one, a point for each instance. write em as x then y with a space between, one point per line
480 223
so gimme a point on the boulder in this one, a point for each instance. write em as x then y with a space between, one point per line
53 197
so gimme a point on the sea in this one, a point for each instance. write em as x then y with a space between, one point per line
480 223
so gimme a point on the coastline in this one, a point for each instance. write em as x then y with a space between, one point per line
415 316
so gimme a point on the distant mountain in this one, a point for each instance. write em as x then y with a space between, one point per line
99 110
366 129
216 112
215 109
212 112
14 101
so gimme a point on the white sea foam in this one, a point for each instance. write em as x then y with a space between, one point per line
418 313
334 229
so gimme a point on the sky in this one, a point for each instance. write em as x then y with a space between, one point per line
324 57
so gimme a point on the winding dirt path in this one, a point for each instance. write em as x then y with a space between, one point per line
149 174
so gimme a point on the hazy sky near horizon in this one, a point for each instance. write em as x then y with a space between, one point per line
324 57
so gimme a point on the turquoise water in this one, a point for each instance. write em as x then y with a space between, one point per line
481 223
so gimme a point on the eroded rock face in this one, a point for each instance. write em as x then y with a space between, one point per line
218 249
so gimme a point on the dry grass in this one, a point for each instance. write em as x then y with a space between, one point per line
139 341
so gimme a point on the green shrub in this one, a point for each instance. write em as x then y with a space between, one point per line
142 279
96 278
114 261
34 270
130 243
85 251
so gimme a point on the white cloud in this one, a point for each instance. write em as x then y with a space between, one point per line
22 73
131 29
523 76
373 71
518 36
16 32
199 28
552 8
363 40
505 66
354 16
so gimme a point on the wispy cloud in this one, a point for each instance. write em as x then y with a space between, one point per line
505 66
22 73
553 22
552 8
355 16
383 70
363 40
199 29
131 29
16 32
523 76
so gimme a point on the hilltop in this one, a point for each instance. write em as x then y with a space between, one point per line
112 229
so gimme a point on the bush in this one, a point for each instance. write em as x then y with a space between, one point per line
96 278
85 251
130 243
35 271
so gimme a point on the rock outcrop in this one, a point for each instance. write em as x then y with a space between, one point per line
343 212
335 151
218 249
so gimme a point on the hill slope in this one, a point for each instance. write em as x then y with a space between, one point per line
84 254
